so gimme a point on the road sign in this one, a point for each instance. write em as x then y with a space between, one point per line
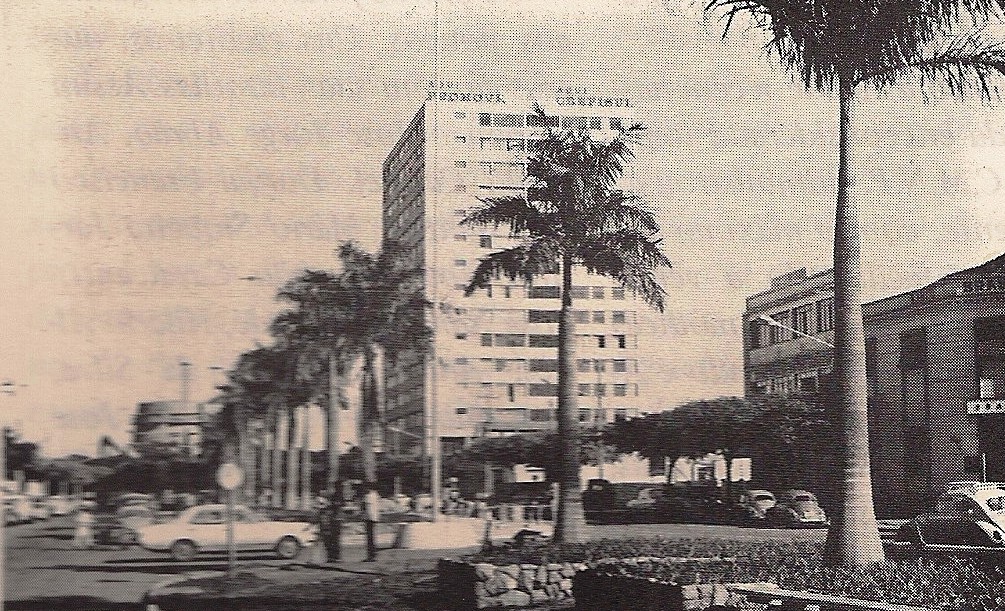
229 476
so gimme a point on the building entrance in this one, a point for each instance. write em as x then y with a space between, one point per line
991 431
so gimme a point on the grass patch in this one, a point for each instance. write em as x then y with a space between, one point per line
956 584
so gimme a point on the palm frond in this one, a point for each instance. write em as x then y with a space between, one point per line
820 40
967 64
630 258
618 210
515 211
535 257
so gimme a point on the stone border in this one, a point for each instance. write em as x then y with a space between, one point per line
465 585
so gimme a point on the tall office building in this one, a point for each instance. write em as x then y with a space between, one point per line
492 366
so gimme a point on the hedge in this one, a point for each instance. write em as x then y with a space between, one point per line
950 583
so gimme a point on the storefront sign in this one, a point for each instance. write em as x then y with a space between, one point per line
986 406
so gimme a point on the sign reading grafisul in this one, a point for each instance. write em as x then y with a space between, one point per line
576 96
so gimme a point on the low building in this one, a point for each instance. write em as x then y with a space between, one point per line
935 360
176 423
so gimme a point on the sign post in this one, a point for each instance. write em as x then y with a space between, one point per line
230 476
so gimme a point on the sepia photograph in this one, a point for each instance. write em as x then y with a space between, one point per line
438 305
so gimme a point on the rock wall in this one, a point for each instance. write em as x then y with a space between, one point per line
479 586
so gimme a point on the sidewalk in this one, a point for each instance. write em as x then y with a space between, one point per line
401 579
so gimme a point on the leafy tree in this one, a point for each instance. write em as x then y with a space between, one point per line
573 214
839 45
533 450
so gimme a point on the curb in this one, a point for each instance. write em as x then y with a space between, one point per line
158 589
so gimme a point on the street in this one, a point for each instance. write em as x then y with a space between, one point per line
44 571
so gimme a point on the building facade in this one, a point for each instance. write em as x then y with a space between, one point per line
177 423
935 361
492 366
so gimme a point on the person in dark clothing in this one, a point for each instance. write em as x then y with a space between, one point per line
371 515
332 517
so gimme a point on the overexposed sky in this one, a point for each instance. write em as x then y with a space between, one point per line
156 152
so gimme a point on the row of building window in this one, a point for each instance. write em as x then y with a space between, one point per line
543 292
546 389
809 382
505 415
807 319
582 365
518 340
514 120
618 317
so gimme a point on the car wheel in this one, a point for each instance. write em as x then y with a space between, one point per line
287 548
127 537
183 551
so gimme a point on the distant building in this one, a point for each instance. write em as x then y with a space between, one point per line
492 367
935 361
176 423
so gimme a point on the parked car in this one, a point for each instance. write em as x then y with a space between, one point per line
648 498
202 528
40 509
18 509
753 506
60 505
969 516
797 508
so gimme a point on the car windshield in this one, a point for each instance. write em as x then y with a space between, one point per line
802 497
764 497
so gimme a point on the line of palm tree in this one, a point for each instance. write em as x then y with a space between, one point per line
374 305
838 45
573 214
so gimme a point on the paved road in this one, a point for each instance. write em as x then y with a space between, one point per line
44 571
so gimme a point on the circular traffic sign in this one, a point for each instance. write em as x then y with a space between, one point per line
229 476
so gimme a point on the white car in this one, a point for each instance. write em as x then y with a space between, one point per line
60 505
203 529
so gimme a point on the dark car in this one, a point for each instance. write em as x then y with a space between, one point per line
752 506
969 516
796 508
606 502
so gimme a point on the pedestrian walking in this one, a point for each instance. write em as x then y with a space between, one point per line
83 534
371 515
332 517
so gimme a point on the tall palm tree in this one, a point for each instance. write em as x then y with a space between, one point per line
573 214
384 311
319 302
838 45
374 305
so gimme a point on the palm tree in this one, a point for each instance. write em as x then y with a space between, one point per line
572 214
373 306
838 45
383 308
319 300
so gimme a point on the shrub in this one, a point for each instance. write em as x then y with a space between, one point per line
950 583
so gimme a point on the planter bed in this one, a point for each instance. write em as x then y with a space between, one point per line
693 574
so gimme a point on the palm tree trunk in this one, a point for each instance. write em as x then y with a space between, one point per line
277 458
291 458
305 459
332 422
264 458
368 417
248 458
853 538
569 521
